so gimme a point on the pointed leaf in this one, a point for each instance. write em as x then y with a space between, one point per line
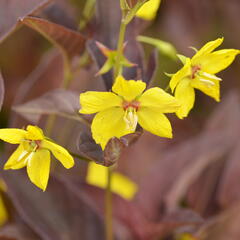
59 102
56 213
70 42
164 47
1 90
182 58
89 149
11 10
151 70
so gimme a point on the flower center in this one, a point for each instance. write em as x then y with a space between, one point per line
130 116
31 146
133 104
206 78
195 69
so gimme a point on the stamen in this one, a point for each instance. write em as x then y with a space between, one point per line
209 76
131 118
208 82
30 145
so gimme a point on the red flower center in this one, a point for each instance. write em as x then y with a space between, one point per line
133 104
35 144
195 69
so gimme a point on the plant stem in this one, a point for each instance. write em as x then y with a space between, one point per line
65 84
120 48
108 207
167 88
80 157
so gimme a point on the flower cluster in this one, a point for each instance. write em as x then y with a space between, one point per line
119 111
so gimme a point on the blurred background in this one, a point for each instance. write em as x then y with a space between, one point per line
188 186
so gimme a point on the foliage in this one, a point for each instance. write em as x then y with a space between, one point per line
107 52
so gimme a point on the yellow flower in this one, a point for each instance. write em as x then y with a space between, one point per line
118 112
33 152
149 10
199 72
3 209
121 185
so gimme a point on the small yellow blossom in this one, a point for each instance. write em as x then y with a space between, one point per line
199 72
149 10
3 209
33 153
3 212
118 112
121 185
186 236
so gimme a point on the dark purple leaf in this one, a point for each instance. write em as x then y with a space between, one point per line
222 227
108 26
139 227
17 231
99 59
1 91
151 68
70 42
60 102
54 214
112 152
180 166
228 190
11 11
62 13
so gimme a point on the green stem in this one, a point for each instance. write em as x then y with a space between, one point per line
167 88
108 207
49 124
122 31
88 12
68 76
80 157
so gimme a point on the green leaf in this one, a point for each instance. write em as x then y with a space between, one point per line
169 74
163 47
106 67
182 58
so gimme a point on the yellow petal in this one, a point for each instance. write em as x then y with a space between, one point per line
3 212
159 99
154 122
186 96
128 89
59 152
211 88
38 168
3 186
121 185
218 60
206 49
18 159
107 124
12 135
34 133
182 73
149 10
92 102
